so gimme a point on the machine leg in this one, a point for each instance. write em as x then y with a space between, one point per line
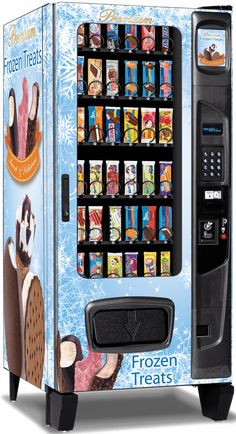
61 409
215 400
14 385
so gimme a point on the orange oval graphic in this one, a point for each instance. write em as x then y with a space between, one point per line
23 170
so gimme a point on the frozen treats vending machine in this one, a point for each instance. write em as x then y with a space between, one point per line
117 202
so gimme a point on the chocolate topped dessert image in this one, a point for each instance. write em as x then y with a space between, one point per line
23 301
69 352
23 124
105 379
25 232
13 124
32 120
12 322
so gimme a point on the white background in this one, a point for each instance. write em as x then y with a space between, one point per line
141 411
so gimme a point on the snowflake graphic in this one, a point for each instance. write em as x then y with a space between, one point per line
66 129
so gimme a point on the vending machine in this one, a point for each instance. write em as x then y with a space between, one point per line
117 202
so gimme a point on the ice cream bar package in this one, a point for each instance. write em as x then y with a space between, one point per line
131 37
165 263
130 124
165 45
80 75
81 37
130 170
148 38
148 177
165 178
114 265
149 223
81 124
112 36
95 123
94 76
81 218
131 264
131 77
95 176
165 125
80 263
95 265
95 40
148 119
115 223
112 177
112 124
80 176
149 86
150 263
131 223
112 77
165 78
165 223
95 223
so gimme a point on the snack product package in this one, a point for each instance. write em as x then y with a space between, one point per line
148 79
95 265
148 38
80 124
80 75
80 263
95 40
148 121
131 37
165 263
165 44
115 223
80 177
112 124
95 223
81 219
114 265
150 264
112 77
95 124
112 177
95 176
148 177
165 178
131 223
131 134
131 77
81 40
131 264
165 223
165 78
166 125
149 223
113 41
130 169
95 86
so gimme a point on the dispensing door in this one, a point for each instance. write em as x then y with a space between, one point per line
211 101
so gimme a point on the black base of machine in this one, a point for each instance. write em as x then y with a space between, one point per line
216 400
14 385
61 409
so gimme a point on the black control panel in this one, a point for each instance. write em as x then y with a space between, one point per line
211 193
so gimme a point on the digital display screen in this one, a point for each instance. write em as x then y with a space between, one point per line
211 48
212 129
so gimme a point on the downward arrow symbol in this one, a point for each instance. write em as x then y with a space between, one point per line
132 325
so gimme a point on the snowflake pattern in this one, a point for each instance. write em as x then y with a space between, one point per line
185 274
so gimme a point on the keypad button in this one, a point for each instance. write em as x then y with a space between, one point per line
218 154
218 174
211 173
212 167
205 154
218 167
218 160
205 160
212 160
212 154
